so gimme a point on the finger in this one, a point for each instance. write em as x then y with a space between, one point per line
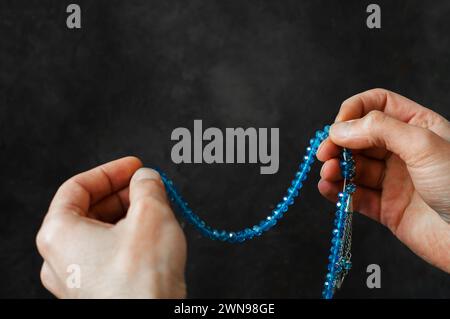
393 104
147 183
365 201
112 208
149 205
86 189
368 172
50 280
327 150
375 153
411 143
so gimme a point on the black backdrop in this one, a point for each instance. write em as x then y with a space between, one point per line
72 99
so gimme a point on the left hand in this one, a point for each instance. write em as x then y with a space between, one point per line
115 224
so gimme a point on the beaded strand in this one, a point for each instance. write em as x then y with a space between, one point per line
339 259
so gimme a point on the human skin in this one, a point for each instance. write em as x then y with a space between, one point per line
402 155
116 224
115 221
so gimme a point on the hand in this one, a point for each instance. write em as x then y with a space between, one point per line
122 234
402 155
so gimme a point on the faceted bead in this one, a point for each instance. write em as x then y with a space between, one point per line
335 232
248 233
351 188
215 234
257 230
277 214
336 241
334 250
271 221
240 236
337 267
326 129
264 225
231 237
320 135
223 235
340 195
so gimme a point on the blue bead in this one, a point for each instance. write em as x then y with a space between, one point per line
277 214
264 225
240 236
223 235
248 233
335 232
347 265
271 221
336 241
231 237
350 188
320 135
326 129
257 230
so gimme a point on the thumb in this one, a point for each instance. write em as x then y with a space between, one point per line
148 199
411 143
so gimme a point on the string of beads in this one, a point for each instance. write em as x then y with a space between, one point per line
339 259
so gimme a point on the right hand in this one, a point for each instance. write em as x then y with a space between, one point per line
402 155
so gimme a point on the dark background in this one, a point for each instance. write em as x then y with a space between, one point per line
73 99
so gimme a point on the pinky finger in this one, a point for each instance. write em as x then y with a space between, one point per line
365 200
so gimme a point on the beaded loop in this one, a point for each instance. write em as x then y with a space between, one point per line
339 262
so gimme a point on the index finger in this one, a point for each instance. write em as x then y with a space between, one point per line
78 193
393 104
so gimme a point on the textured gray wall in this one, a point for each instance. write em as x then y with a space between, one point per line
70 100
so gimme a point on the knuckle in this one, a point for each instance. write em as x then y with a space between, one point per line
147 207
378 91
45 276
425 139
373 119
49 233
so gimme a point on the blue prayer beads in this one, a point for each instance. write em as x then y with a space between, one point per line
337 261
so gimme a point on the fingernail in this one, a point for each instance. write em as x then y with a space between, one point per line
145 173
321 169
340 129
320 146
